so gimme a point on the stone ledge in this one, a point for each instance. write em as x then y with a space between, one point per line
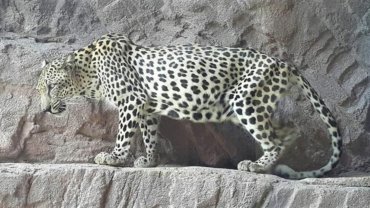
89 185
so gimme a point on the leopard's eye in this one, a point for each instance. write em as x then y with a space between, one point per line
51 86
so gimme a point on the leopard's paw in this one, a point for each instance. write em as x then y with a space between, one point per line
247 165
144 162
104 158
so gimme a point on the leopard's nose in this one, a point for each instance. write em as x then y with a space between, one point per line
48 109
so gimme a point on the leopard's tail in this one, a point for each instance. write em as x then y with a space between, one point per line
330 122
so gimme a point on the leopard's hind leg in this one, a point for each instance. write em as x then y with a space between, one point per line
253 105
263 132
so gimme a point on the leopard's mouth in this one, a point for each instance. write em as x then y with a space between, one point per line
56 108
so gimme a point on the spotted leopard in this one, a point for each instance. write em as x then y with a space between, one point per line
197 83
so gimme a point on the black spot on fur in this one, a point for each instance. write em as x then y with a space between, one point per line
173 114
197 116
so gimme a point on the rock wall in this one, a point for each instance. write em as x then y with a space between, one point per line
329 41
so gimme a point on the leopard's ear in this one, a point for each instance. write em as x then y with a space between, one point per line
70 59
69 63
44 63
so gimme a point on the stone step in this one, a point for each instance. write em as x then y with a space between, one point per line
89 185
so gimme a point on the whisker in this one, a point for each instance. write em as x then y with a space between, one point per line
73 103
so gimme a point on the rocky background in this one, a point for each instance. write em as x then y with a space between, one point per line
328 39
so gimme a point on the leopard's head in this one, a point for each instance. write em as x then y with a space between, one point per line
56 83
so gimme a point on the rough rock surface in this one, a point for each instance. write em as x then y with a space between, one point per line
329 41
86 185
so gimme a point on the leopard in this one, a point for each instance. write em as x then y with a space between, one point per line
184 82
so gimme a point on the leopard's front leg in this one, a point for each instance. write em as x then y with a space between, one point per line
129 116
149 129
